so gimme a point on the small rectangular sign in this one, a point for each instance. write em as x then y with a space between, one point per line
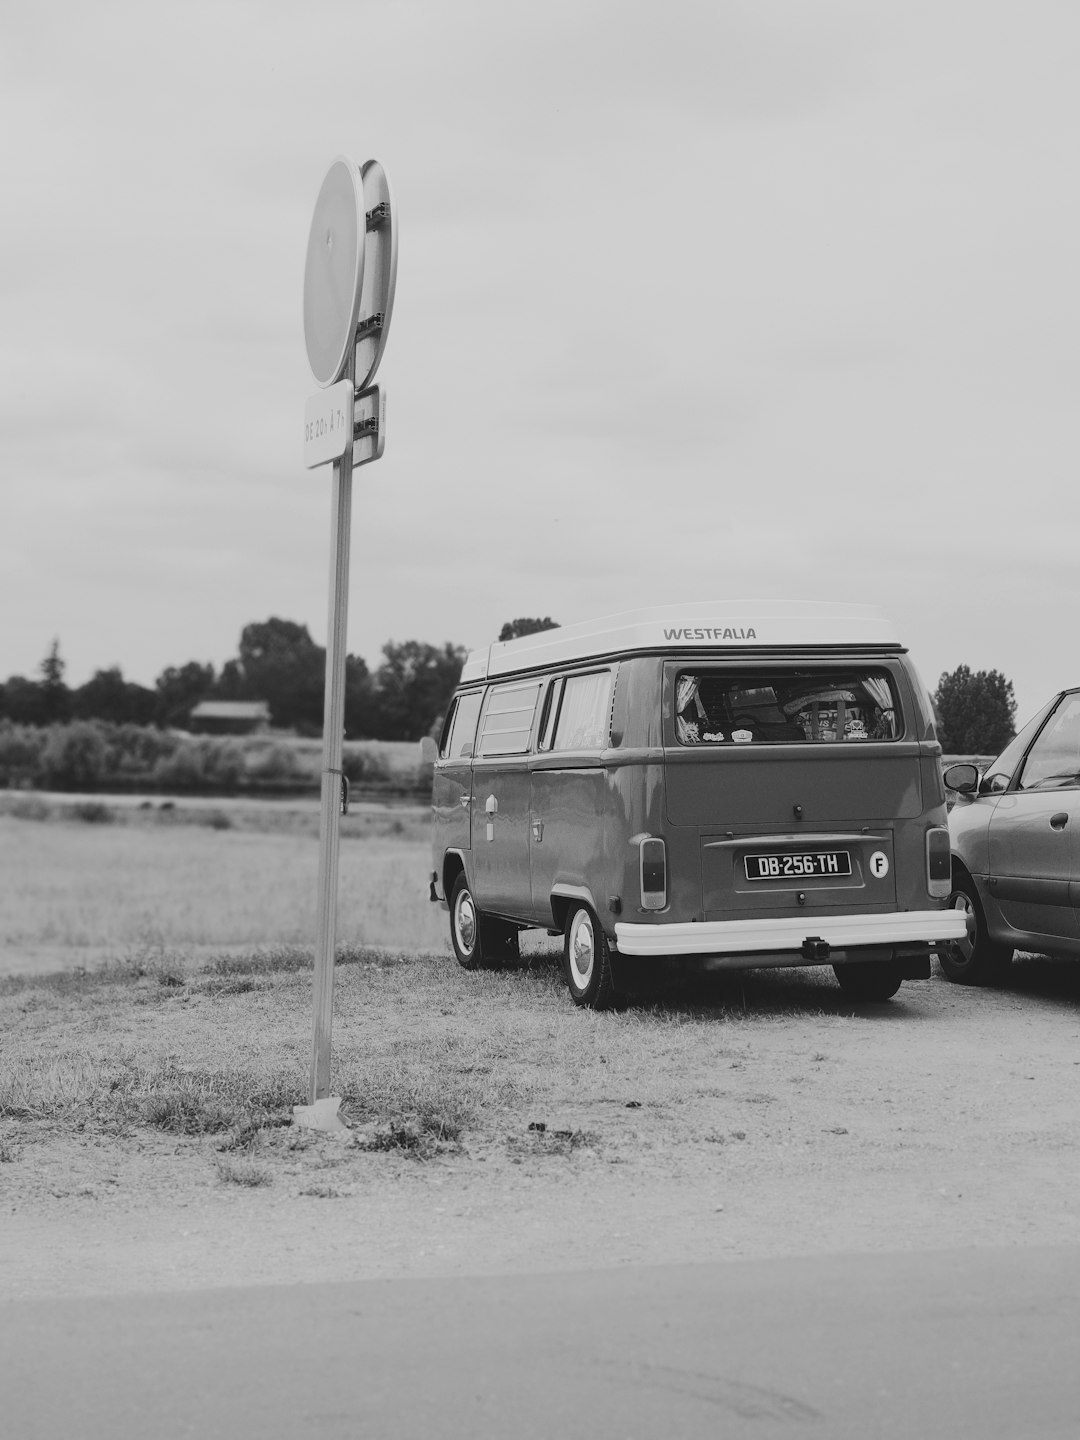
370 422
328 424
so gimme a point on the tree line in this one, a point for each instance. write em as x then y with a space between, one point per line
278 662
402 699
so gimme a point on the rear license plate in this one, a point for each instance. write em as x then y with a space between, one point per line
797 864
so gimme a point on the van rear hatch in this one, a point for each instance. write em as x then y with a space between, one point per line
734 789
793 775
816 825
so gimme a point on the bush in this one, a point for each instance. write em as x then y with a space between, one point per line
365 766
20 754
93 812
74 756
274 765
134 750
207 764
183 769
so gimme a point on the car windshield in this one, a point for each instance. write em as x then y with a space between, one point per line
803 706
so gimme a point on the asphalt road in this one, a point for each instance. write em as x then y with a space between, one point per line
952 1344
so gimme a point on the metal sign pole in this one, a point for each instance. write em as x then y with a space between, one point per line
349 280
333 733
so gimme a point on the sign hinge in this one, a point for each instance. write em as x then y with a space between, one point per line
377 216
369 324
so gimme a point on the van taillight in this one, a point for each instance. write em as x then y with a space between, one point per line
653 875
938 863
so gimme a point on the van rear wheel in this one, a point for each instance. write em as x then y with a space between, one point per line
480 942
587 960
876 980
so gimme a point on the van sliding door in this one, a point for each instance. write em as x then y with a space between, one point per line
501 801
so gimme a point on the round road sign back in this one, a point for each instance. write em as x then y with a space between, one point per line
334 271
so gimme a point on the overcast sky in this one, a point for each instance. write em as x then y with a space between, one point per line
737 298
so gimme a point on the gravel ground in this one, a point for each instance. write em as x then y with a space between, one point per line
945 1118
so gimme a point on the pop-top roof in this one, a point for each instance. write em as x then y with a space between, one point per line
730 625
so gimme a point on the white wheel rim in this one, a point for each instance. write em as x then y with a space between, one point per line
582 951
465 922
962 903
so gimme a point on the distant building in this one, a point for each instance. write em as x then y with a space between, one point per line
230 717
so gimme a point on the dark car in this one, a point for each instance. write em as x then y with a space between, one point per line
1015 834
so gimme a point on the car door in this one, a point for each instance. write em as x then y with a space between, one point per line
1034 835
569 790
451 791
501 800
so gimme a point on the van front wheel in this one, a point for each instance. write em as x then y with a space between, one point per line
480 942
587 960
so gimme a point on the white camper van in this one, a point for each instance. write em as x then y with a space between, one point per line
755 782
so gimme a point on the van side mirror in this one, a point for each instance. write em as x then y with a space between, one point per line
962 778
429 751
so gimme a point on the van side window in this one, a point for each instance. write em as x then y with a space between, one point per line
551 713
584 719
785 707
508 719
459 732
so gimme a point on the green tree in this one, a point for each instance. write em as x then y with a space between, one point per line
361 711
108 696
281 664
976 711
55 695
413 686
514 629
38 702
24 701
179 690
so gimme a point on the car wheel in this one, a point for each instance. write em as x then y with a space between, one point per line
875 980
480 942
976 960
587 960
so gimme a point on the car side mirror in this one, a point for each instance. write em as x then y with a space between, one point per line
429 751
963 778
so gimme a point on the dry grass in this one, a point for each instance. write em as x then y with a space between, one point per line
215 1051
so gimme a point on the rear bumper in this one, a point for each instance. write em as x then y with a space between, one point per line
790 933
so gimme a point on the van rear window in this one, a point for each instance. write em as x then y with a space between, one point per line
807 706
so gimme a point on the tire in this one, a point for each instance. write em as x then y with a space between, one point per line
875 980
480 942
587 960
978 960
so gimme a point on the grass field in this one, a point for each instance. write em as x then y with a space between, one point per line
81 892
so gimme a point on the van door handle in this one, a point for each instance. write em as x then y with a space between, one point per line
466 801
1060 820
